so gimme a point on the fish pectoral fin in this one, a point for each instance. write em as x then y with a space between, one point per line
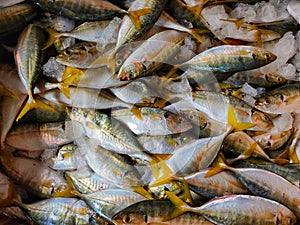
6 92
236 125
181 206
31 104
136 14
53 36
238 22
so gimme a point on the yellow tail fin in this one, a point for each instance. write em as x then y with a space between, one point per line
238 22
53 36
235 125
143 192
167 173
31 104
135 16
181 206
218 166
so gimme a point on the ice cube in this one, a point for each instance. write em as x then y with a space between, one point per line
53 69
288 71
294 8
248 89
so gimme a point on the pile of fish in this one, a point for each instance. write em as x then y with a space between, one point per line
150 112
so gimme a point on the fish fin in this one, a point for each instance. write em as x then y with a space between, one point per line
143 192
195 34
160 103
136 14
167 173
71 74
53 36
258 39
162 156
64 88
197 9
171 72
218 166
238 22
294 157
181 206
69 192
31 104
6 92
281 161
236 125
245 155
187 197
136 111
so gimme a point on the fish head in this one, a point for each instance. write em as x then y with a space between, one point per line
275 78
177 123
261 119
263 55
269 103
131 71
285 217
130 218
77 53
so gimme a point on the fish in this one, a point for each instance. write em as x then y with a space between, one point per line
89 10
239 142
151 54
154 121
37 177
112 134
209 103
265 184
87 181
35 137
62 210
230 58
227 210
14 18
30 42
280 100
155 212
108 202
288 171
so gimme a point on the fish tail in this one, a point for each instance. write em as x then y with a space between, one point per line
236 125
31 104
71 75
143 192
53 36
195 34
181 206
167 174
218 166
197 9
135 16
187 197
69 192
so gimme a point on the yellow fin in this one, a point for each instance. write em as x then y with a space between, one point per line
171 72
197 9
167 174
187 197
143 192
135 16
195 34
31 104
181 206
65 90
238 22
53 35
293 156
218 166
136 111
72 74
232 121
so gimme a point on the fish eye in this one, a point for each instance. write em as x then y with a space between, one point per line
281 97
126 218
119 62
82 48
254 56
268 101
268 55
67 52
